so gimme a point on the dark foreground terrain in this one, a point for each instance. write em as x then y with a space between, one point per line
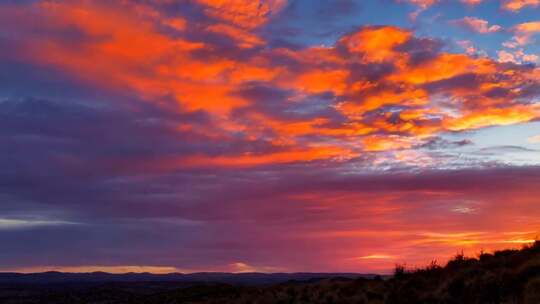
510 276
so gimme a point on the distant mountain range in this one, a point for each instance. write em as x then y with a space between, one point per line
207 277
507 276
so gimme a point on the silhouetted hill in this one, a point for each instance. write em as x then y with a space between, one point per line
213 277
509 277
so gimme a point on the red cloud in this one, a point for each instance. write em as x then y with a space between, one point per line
386 84
244 13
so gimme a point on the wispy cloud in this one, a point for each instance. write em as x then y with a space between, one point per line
377 257
13 224
534 139
116 269
477 25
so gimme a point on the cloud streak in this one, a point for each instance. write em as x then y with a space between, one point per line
12 224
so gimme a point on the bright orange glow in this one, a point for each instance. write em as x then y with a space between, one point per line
247 160
375 143
377 44
492 117
323 81
443 67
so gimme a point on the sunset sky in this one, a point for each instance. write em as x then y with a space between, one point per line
266 135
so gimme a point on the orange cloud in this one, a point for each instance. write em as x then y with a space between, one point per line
376 43
244 13
492 116
386 143
377 257
320 81
387 97
241 267
525 31
245 38
444 66
517 5
472 2
248 159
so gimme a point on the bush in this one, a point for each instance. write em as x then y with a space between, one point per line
399 271
531 294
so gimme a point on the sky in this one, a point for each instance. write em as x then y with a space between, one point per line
266 135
